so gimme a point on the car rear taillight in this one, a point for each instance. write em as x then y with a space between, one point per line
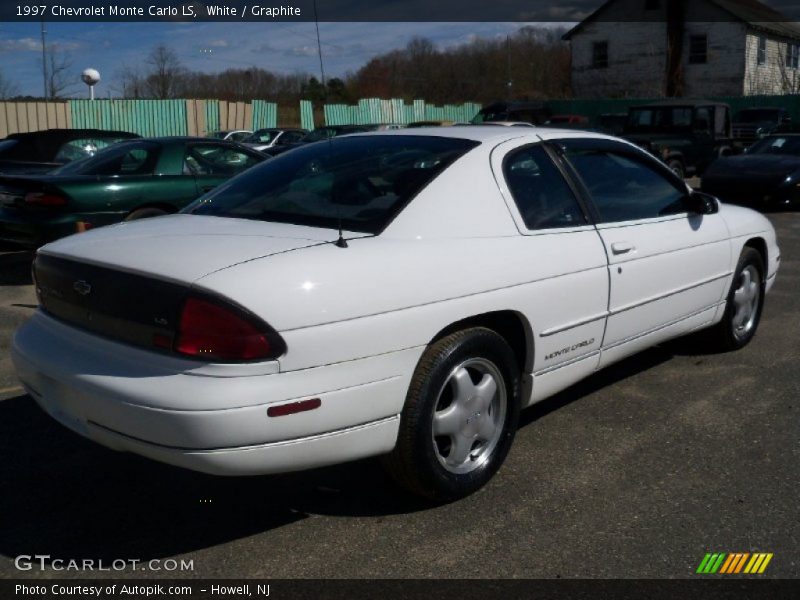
44 199
216 331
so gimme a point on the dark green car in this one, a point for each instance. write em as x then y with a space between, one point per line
129 180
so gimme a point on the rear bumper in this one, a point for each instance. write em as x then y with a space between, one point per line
209 418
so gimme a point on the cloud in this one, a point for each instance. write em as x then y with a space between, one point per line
301 51
21 45
218 44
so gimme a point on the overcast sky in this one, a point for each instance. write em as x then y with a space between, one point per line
277 47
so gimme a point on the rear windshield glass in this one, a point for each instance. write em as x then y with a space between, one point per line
125 158
262 136
358 182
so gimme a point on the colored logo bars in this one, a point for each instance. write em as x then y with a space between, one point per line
735 562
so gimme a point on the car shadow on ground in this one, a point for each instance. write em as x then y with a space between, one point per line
15 268
70 498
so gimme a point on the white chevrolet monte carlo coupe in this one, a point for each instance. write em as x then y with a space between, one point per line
401 293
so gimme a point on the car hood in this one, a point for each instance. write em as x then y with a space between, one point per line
184 248
753 167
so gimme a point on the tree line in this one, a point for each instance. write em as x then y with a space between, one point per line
531 63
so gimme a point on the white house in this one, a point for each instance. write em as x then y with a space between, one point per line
654 48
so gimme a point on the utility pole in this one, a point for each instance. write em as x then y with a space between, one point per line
509 83
44 62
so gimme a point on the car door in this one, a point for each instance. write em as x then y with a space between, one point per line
668 268
212 163
566 303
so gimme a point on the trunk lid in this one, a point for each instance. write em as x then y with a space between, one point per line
183 248
128 282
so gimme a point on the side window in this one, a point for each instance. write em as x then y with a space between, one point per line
132 159
702 120
239 136
213 159
600 55
290 137
80 148
624 188
544 199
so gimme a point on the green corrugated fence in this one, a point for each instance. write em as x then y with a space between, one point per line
145 117
265 114
376 110
168 117
307 115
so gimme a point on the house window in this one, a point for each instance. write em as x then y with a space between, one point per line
600 55
652 4
792 56
698 49
762 50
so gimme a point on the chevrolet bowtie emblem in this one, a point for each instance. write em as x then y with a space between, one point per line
82 287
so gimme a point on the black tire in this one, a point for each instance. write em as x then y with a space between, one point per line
676 166
417 462
727 335
145 213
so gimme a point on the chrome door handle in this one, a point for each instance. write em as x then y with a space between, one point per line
622 247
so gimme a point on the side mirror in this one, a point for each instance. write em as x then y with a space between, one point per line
700 203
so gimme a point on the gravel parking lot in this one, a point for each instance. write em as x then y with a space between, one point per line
634 473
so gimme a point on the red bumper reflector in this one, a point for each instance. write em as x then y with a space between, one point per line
293 407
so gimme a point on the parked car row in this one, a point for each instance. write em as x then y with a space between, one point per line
128 180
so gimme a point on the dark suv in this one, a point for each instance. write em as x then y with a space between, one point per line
752 124
535 113
687 135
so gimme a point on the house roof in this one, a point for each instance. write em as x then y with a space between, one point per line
752 12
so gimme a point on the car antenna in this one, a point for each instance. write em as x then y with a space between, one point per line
340 242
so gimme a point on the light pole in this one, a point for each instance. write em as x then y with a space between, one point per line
44 62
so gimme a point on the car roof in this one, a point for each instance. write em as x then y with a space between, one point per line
71 133
167 139
483 134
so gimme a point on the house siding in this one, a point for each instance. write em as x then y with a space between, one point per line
773 77
636 60
637 52
723 73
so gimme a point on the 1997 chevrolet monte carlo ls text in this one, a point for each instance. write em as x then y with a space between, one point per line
479 270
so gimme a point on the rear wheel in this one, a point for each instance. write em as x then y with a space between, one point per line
744 304
145 213
460 416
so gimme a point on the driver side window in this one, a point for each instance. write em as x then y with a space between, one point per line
623 188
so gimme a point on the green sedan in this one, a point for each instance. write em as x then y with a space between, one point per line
129 180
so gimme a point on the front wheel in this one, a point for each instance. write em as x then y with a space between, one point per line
744 304
460 416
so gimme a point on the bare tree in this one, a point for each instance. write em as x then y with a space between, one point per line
60 80
8 89
130 82
165 70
